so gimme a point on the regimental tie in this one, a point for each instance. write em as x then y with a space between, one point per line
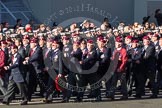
88 54
48 50
31 52
12 58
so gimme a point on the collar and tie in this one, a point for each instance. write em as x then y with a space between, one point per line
31 52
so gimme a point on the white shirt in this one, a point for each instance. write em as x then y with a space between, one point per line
14 59
34 49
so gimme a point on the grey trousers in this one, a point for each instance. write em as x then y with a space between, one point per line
11 89
3 86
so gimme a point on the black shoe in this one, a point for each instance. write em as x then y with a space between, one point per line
65 101
78 100
153 96
29 99
110 97
47 101
137 96
6 103
56 94
24 103
130 93
98 99
124 98
90 96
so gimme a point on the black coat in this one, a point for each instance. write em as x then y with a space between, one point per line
16 69
36 60
66 54
47 57
149 58
56 58
104 60
159 60
27 50
89 60
21 51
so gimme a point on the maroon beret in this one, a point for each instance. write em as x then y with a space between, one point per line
99 38
118 39
102 40
146 37
33 40
150 33
129 37
3 42
26 37
55 41
90 41
135 41
77 42
14 47
9 40
155 35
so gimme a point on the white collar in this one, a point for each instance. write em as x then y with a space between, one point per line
155 42
19 47
26 45
119 48
145 47
15 55
34 48
55 50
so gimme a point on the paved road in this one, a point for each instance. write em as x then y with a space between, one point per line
146 103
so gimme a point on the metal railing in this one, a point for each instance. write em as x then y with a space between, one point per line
13 14
5 7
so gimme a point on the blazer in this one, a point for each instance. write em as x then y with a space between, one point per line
16 69
36 60
149 58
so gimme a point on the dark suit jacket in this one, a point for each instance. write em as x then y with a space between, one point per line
136 54
16 69
21 51
77 54
104 60
66 53
27 50
47 57
89 60
149 58
157 47
159 60
111 43
36 60
104 56
56 58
